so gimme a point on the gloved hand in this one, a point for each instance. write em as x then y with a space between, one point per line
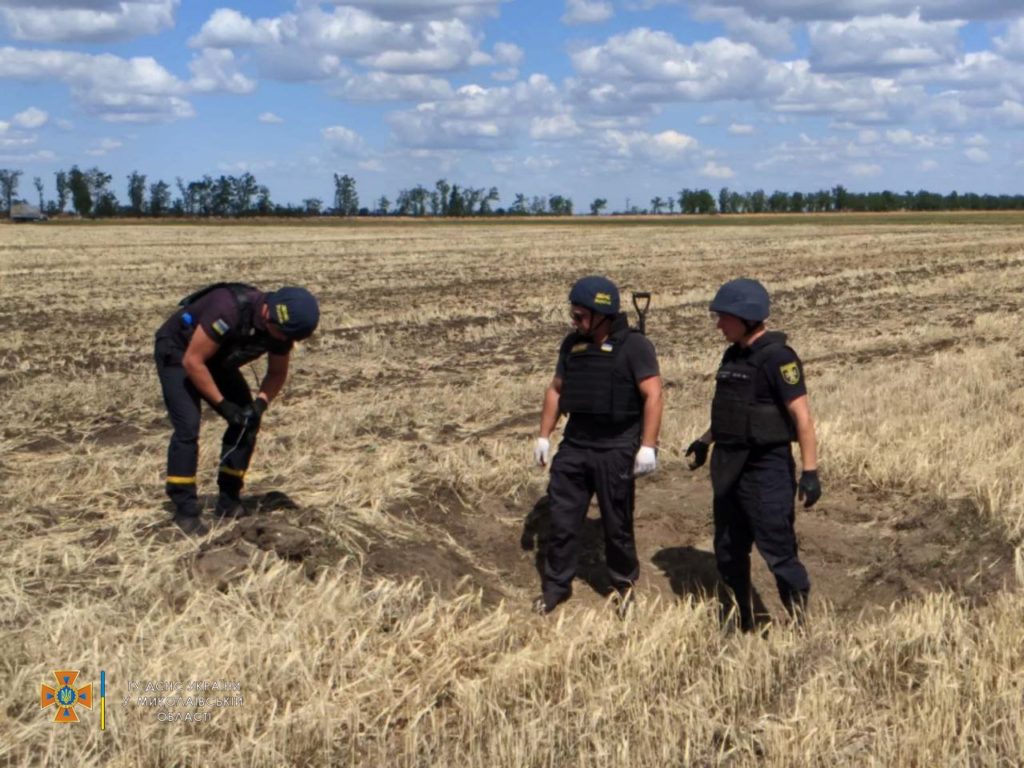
254 413
699 450
809 489
646 461
233 413
542 451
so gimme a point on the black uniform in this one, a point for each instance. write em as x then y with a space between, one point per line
752 469
230 314
600 393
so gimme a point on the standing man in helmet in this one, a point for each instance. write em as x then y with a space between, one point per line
607 381
760 406
199 351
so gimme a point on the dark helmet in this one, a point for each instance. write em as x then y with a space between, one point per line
744 298
596 293
295 311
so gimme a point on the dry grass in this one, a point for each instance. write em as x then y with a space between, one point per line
436 344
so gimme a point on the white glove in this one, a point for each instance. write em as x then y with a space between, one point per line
646 461
541 451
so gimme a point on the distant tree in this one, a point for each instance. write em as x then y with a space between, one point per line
81 196
671 204
39 189
519 205
136 192
441 202
383 204
106 204
63 190
264 205
8 187
159 198
757 201
840 197
656 205
704 201
778 201
538 206
243 190
346 199
312 206
724 200
796 202
492 196
559 205
598 205
456 204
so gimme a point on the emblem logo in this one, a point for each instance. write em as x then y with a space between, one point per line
790 373
603 299
65 696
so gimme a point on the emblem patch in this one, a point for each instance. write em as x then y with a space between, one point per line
604 299
606 347
581 347
790 373
220 326
282 314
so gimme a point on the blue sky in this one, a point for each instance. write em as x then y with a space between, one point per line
586 98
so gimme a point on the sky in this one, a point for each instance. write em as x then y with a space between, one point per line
620 99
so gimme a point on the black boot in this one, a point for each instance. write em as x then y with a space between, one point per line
229 505
187 518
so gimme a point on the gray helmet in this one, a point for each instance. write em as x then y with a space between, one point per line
744 298
596 293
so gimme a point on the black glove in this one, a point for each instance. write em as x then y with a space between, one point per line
809 489
699 450
233 414
254 413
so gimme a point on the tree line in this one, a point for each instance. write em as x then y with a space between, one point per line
88 193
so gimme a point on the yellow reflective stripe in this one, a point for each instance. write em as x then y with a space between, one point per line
174 480
233 472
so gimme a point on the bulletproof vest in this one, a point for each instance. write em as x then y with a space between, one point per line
736 418
595 382
245 343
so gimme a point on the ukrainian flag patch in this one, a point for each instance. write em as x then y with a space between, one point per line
604 299
220 326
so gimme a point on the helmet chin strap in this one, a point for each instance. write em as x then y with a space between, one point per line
591 334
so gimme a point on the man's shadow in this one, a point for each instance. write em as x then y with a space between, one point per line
692 571
591 566
256 503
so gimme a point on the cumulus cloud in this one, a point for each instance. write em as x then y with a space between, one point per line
882 43
113 88
104 147
741 129
269 118
31 118
1011 113
478 117
86 20
312 43
977 155
1011 45
383 86
927 166
405 10
768 36
713 170
587 11
815 10
343 139
664 147
864 170
215 70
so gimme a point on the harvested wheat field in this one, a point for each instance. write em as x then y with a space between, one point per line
375 610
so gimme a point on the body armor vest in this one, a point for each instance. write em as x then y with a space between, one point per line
595 383
245 343
737 419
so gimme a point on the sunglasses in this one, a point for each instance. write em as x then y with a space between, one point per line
578 317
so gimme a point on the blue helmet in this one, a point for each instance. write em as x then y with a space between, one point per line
744 298
596 293
295 311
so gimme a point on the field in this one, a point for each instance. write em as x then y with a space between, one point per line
375 610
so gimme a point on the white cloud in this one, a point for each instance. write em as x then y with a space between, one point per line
42 156
1011 45
344 139
879 43
413 10
767 36
865 169
215 70
927 166
816 10
31 118
382 86
82 21
707 120
587 11
1011 113
868 136
311 44
115 89
666 146
741 129
372 166
554 128
269 118
900 136
977 155
713 170
507 53
104 147
977 140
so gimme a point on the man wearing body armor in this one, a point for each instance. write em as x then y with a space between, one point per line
607 381
199 351
760 406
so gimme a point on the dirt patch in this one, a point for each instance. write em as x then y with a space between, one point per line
863 550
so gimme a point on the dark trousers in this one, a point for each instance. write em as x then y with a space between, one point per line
759 509
183 402
576 475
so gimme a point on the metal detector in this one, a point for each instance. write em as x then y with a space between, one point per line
641 311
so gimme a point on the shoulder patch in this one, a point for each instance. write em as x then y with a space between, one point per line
220 326
790 373
606 347
580 347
